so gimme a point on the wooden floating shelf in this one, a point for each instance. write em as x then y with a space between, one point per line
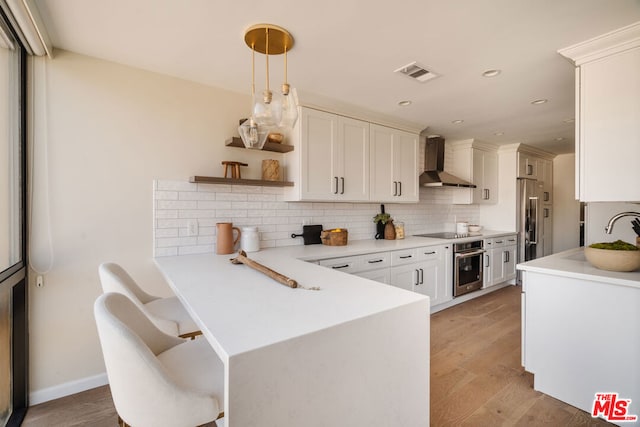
268 146
256 182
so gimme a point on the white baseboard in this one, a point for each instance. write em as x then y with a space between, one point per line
67 389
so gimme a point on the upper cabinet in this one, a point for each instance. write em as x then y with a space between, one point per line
332 160
394 165
476 162
607 115
337 158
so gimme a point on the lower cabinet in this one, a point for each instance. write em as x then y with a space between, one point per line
499 260
382 275
428 272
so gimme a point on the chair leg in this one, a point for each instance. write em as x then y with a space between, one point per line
190 335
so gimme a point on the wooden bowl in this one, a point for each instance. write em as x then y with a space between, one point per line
612 260
334 237
275 137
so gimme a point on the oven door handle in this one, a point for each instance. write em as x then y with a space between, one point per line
469 254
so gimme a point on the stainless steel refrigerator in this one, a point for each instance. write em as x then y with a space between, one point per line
528 222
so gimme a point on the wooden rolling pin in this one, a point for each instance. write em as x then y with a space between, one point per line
242 259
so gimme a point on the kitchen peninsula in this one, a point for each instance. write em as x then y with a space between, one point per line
354 352
581 330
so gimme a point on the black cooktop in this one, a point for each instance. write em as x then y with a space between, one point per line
446 235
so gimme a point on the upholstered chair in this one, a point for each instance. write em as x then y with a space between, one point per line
168 314
156 380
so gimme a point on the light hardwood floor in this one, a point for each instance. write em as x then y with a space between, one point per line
476 377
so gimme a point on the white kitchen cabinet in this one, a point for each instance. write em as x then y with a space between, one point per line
393 165
607 108
527 166
424 270
499 260
406 276
546 233
331 159
382 275
480 167
546 176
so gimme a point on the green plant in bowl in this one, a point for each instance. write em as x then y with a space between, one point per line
382 217
613 256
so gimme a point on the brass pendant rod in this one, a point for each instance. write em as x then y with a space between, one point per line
253 72
267 56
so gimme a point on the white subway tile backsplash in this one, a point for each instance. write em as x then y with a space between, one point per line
177 202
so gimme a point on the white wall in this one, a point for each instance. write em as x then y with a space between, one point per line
111 131
566 210
597 217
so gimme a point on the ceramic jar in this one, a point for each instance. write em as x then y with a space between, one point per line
250 240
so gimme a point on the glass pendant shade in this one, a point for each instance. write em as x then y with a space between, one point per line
289 110
267 114
253 135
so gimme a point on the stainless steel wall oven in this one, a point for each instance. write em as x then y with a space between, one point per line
467 267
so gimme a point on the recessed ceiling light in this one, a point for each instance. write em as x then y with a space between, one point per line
491 73
539 101
498 133
569 120
405 103
457 122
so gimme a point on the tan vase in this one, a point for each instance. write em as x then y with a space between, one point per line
389 231
225 243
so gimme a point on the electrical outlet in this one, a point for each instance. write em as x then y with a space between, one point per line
39 281
192 227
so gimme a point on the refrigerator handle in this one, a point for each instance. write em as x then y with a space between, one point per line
534 226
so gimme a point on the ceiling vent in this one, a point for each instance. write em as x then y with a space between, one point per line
417 72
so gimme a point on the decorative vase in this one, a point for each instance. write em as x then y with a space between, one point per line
379 231
389 231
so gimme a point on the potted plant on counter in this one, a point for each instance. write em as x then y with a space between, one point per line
384 226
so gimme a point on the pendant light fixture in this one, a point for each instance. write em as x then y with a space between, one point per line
269 113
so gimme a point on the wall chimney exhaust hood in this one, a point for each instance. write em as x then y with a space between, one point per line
434 175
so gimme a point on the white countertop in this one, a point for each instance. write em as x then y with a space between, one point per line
244 310
572 263
360 247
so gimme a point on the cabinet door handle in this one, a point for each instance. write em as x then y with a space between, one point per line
341 266
486 194
395 188
417 277
511 240
529 169
506 256
336 191
406 256
486 257
430 253
546 212
499 241
375 261
342 180
546 196
400 185
421 276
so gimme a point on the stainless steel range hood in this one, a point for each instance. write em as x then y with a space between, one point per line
434 175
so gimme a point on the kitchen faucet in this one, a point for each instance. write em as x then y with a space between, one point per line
609 228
